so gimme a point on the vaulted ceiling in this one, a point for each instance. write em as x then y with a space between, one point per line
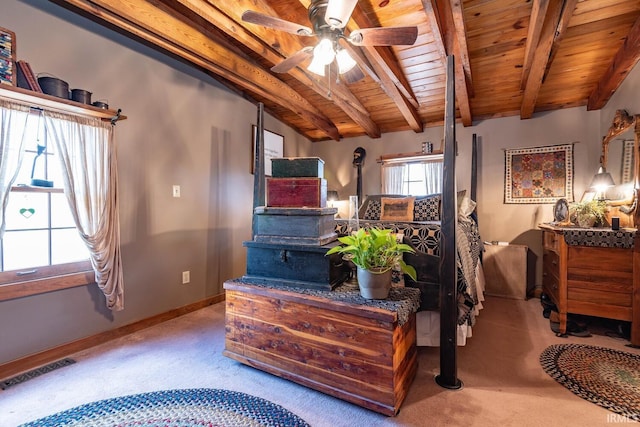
512 57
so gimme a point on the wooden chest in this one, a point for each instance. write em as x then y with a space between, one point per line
301 226
354 352
297 192
295 265
297 167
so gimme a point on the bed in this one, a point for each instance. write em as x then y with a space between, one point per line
418 221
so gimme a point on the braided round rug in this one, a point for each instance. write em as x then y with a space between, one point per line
606 377
176 408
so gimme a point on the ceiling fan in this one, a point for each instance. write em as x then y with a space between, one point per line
328 19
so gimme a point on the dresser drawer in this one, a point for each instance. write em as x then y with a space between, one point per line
551 275
550 241
551 263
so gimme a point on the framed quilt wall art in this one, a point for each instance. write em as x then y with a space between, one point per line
538 174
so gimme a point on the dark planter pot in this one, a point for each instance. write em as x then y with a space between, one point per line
81 95
374 285
101 104
54 86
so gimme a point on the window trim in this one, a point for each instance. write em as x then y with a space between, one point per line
48 284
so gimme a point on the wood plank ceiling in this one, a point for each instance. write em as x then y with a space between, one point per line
513 57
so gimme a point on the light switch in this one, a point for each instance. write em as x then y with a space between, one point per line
176 191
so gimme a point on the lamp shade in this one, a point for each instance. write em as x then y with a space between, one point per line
332 195
345 61
316 67
602 180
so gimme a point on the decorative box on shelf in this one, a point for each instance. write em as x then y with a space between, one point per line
297 167
304 266
297 192
303 226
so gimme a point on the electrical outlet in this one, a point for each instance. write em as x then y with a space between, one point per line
186 277
176 191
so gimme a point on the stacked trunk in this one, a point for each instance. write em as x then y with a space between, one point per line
295 229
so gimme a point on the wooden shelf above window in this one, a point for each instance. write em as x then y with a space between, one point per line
49 102
417 154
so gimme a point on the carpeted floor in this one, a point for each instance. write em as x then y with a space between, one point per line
606 377
504 383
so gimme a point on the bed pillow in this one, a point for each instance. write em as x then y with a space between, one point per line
397 209
466 208
461 195
427 208
373 210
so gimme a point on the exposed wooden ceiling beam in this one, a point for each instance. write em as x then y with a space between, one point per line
227 17
392 79
555 24
461 36
447 38
538 13
149 23
623 62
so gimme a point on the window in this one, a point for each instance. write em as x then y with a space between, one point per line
416 176
87 157
40 239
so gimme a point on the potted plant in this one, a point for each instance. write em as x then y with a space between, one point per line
589 214
375 252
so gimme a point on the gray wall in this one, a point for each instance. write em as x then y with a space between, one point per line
182 128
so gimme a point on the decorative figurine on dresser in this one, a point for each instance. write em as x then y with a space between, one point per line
593 268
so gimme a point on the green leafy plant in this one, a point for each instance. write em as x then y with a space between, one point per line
375 250
594 208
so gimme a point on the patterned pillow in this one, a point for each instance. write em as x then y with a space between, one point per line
427 209
373 210
397 209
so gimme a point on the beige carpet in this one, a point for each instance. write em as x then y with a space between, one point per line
504 384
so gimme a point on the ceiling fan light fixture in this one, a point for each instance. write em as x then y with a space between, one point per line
324 52
345 61
316 66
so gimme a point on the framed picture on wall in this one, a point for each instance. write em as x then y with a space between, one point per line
273 148
7 57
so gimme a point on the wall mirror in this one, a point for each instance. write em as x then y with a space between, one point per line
620 158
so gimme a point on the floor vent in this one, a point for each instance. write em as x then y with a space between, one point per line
35 373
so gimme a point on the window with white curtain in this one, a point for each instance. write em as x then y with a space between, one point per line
40 237
415 176
59 222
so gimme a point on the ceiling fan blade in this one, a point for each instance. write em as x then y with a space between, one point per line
275 23
384 36
293 61
339 12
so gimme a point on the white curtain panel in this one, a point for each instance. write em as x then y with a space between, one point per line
87 153
13 122
393 178
433 176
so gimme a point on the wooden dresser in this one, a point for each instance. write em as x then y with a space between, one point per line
592 280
